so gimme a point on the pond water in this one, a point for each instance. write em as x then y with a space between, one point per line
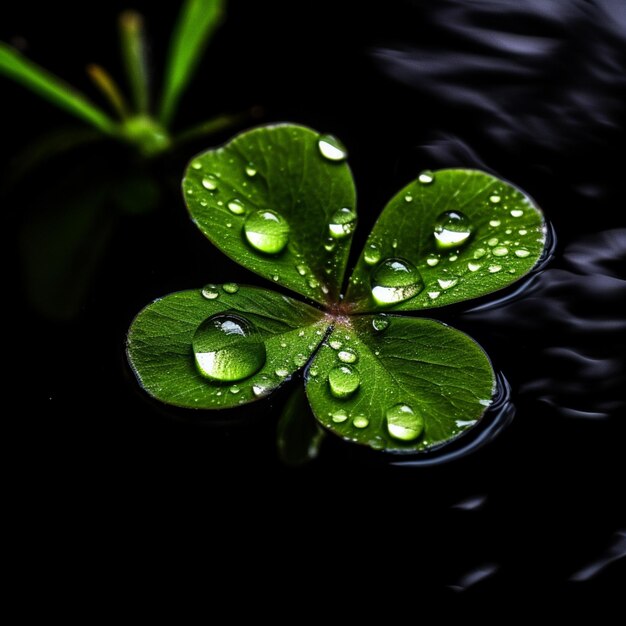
534 93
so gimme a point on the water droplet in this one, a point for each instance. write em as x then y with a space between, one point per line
348 356
452 229
372 254
282 372
403 423
275 278
395 280
446 283
522 253
262 389
480 253
500 251
494 199
472 266
453 257
236 206
196 165
380 323
230 287
228 347
189 191
210 292
331 148
394 244
209 182
494 223
251 170
266 231
203 203
493 269
426 177
517 213
342 223
408 198
335 345
313 283
235 389
329 246
360 421
433 295
432 260
339 417
301 269
522 231
492 242
300 360
343 381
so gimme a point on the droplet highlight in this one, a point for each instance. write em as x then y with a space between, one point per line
331 148
426 177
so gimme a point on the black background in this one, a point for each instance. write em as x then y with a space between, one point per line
105 480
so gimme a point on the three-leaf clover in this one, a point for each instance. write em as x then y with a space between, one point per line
280 200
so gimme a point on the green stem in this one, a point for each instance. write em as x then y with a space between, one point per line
104 81
135 58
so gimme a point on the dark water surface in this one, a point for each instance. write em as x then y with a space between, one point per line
101 475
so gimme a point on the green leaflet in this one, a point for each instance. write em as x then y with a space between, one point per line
161 354
420 383
281 170
506 238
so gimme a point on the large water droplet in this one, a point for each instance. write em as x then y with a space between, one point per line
372 254
209 182
380 323
236 207
500 251
403 423
251 170
446 283
522 253
395 280
494 199
348 356
230 287
343 381
339 416
360 421
452 229
210 292
517 213
228 348
342 223
331 148
426 177
473 266
266 231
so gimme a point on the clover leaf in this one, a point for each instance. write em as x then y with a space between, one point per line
280 201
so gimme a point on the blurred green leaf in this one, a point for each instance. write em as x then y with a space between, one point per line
53 89
135 58
197 21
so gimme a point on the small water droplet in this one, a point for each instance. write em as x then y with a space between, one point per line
260 390
517 213
494 223
230 287
480 253
210 292
196 165
313 283
348 356
408 198
331 148
522 253
494 198
446 283
372 254
339 417
210 183
360 421
433 295
236 206
335 344
452 229
342 223
235 389
403 423
500 251
492 242
343 381
394 244
426 177
228 347
301 269
266 231
251 170
301 333
472 266
203 203
453 257
189 191
493 269
432 260
281 372
329 246
522 231
275 278
300 360
313 372
380 323
395 280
